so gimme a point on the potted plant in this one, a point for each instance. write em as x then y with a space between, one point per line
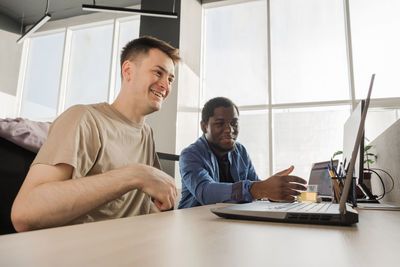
369 158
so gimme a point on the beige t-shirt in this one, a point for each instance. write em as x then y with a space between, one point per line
95 139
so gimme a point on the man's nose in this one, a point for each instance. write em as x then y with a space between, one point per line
228 127
163 82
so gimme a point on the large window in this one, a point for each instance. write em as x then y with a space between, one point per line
304 65
235 53
89 67
308 61
305 135
73 65
42 79
376 42
253 132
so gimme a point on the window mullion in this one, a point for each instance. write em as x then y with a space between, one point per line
64 71
349 49
269 84
21 77
113 69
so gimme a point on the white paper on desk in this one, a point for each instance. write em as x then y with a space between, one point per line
377 206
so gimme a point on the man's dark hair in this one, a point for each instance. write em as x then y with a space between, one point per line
142 45
208 109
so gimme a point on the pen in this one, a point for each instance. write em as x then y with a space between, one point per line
332 167
340 182
330 171
338 187
336 194
340 172
334 171
344 167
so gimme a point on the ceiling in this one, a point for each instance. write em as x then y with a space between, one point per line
17 13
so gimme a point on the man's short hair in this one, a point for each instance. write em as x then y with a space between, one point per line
142 45
212 104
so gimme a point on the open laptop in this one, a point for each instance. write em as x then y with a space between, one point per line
320 176
304 212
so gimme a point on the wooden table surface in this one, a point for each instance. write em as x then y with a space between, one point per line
197 237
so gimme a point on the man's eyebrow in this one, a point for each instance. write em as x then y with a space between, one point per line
164 70
219 119
223 119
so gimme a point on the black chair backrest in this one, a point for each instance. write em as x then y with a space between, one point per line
168 162
14 165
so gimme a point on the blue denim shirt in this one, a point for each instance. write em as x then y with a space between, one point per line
200 176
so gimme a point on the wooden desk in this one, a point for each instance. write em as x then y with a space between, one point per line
196 237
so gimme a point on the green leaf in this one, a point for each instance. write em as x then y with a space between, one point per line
339 152
366 148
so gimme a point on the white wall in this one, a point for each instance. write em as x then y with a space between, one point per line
10 57
7 106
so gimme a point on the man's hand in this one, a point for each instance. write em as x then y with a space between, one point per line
279 187
157 184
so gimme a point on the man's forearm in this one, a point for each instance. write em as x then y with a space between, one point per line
57 203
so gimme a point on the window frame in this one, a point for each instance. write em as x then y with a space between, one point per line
68 26
352 101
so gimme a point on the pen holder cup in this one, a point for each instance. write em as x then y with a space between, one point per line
337 190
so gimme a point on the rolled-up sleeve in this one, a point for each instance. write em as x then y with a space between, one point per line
241 191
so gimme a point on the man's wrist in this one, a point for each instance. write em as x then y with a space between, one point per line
129 179
255 193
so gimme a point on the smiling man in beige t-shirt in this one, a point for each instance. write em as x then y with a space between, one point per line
99 161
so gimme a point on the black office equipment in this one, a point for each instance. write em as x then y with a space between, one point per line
350 129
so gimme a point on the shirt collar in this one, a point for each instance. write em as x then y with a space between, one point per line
204 140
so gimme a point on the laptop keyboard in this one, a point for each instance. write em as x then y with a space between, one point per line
301 207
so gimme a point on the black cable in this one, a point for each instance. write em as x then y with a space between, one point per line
391 178
383 185
47 7
22 22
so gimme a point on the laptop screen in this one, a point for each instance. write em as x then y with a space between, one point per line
320 176
349 137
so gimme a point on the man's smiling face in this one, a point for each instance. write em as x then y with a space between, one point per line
222 130
152 77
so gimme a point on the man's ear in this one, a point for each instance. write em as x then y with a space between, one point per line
203 127
127 70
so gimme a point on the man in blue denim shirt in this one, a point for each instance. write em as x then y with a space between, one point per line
216 168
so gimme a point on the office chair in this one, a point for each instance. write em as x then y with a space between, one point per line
168 166
168 162
14 165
